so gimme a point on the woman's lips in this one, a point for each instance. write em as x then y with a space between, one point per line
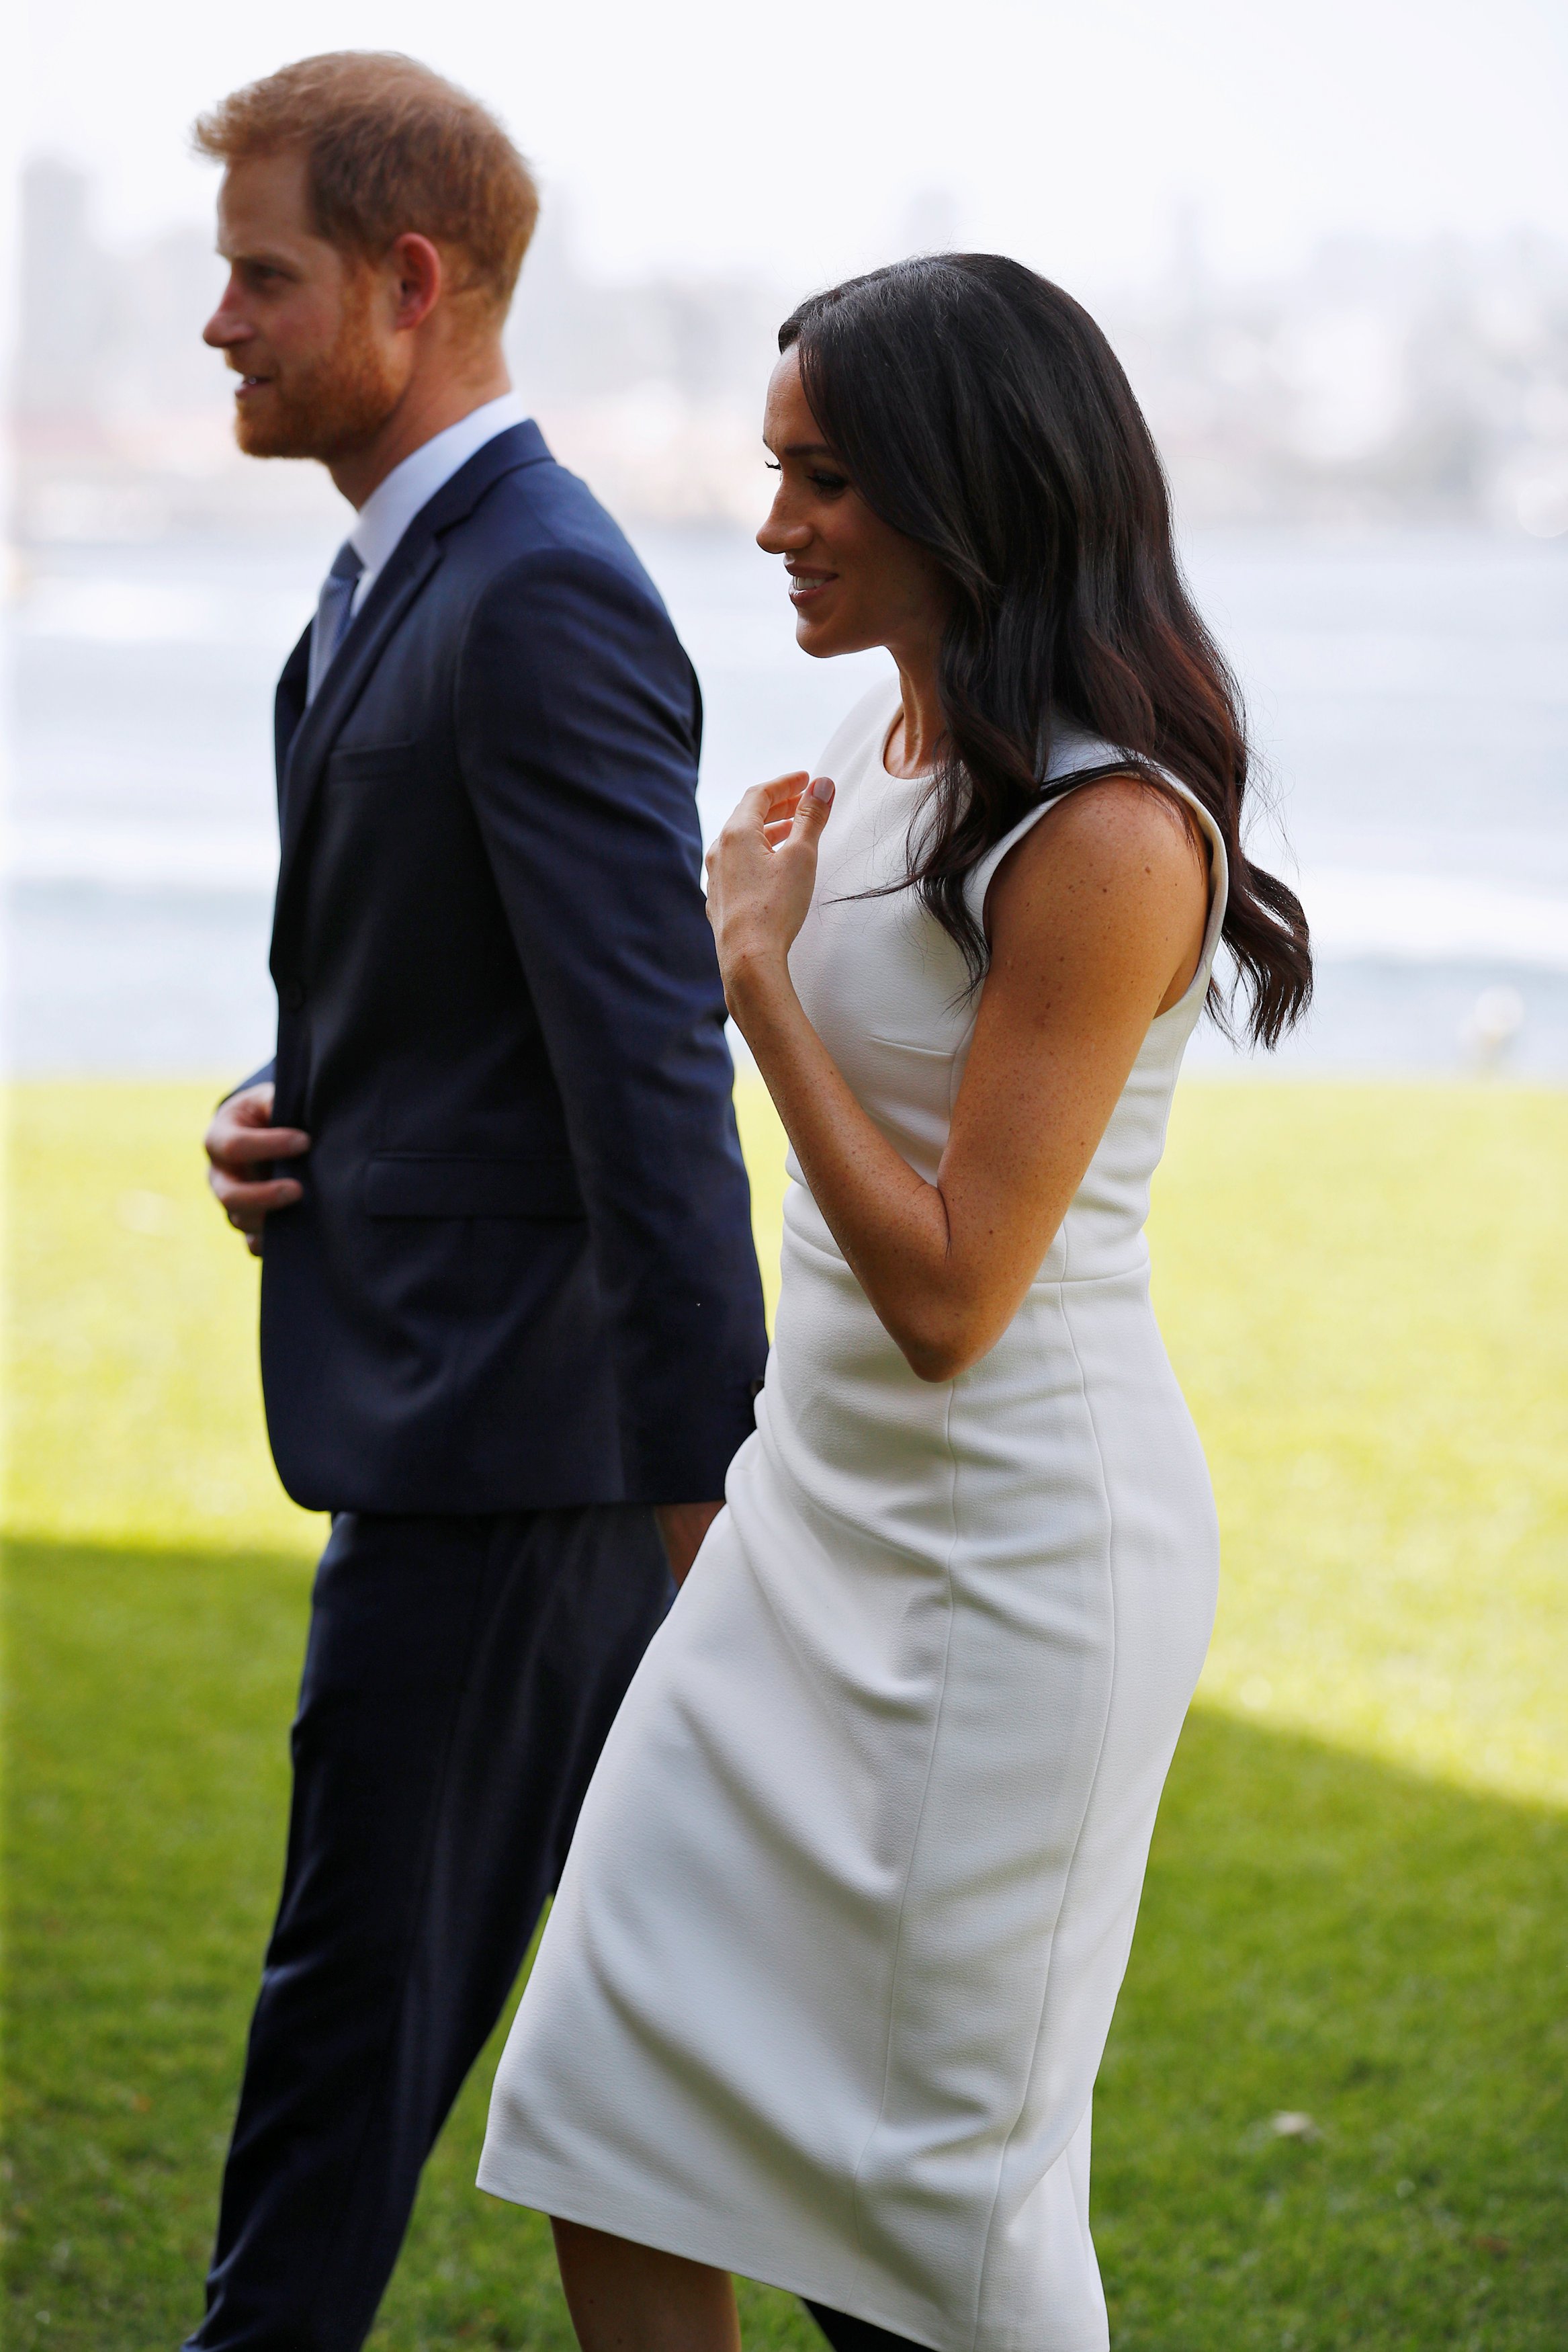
804 585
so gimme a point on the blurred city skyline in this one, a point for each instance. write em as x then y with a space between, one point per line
1332 248
709 137
1374 382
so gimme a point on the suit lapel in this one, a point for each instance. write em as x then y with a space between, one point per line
413 560
288 706
306 733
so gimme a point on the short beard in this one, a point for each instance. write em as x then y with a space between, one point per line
331 407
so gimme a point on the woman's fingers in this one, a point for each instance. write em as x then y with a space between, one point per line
763 802
761 868
805 817
811 815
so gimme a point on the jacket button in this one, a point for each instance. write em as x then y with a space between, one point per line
293 994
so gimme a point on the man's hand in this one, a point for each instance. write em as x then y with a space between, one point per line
682 1527
238 1142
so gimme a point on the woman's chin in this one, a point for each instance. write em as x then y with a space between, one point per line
816 638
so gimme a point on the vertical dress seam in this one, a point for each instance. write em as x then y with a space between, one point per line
915 1834
984 2263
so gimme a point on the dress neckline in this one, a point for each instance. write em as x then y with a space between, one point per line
926 773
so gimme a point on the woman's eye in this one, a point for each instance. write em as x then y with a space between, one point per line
828 481
773 465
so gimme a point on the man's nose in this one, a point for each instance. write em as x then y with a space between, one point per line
226 326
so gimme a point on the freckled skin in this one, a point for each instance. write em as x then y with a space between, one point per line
1095 923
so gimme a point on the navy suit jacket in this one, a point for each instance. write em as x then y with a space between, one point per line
522 1272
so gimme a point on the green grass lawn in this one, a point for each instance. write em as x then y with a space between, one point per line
1357 1899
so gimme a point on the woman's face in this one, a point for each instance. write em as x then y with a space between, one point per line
854 581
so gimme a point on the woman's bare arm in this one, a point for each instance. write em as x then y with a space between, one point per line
1096 924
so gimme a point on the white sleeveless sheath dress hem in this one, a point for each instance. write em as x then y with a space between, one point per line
825 1988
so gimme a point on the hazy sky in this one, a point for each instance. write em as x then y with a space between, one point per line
710 133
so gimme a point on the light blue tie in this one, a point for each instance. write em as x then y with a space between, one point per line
332 612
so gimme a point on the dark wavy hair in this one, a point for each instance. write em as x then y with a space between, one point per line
980 411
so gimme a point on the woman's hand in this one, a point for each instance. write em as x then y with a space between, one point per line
761 872
1096 920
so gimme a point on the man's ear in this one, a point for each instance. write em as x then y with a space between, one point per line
418 279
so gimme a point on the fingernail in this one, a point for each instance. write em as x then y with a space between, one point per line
822 789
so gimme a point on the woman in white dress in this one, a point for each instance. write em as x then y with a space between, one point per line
830 1973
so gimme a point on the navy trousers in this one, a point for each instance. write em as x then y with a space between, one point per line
460 1676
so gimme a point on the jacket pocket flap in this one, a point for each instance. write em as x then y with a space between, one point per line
366 762
433 1184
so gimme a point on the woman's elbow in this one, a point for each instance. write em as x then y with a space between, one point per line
942 1327
936 1355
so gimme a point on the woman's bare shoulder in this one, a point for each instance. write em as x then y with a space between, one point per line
1127 815
1118 838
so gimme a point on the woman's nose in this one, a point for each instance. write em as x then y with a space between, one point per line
780 536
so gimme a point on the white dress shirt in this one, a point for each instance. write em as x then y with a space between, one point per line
393 504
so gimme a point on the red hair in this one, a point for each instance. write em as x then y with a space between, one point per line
390 148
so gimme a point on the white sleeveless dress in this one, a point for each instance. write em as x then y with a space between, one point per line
828 1979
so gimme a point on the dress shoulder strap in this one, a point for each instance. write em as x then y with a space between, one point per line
1078 760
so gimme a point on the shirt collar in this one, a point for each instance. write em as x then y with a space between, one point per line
393 504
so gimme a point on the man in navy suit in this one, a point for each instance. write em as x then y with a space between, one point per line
511 1321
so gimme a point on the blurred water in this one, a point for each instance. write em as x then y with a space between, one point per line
1409 694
